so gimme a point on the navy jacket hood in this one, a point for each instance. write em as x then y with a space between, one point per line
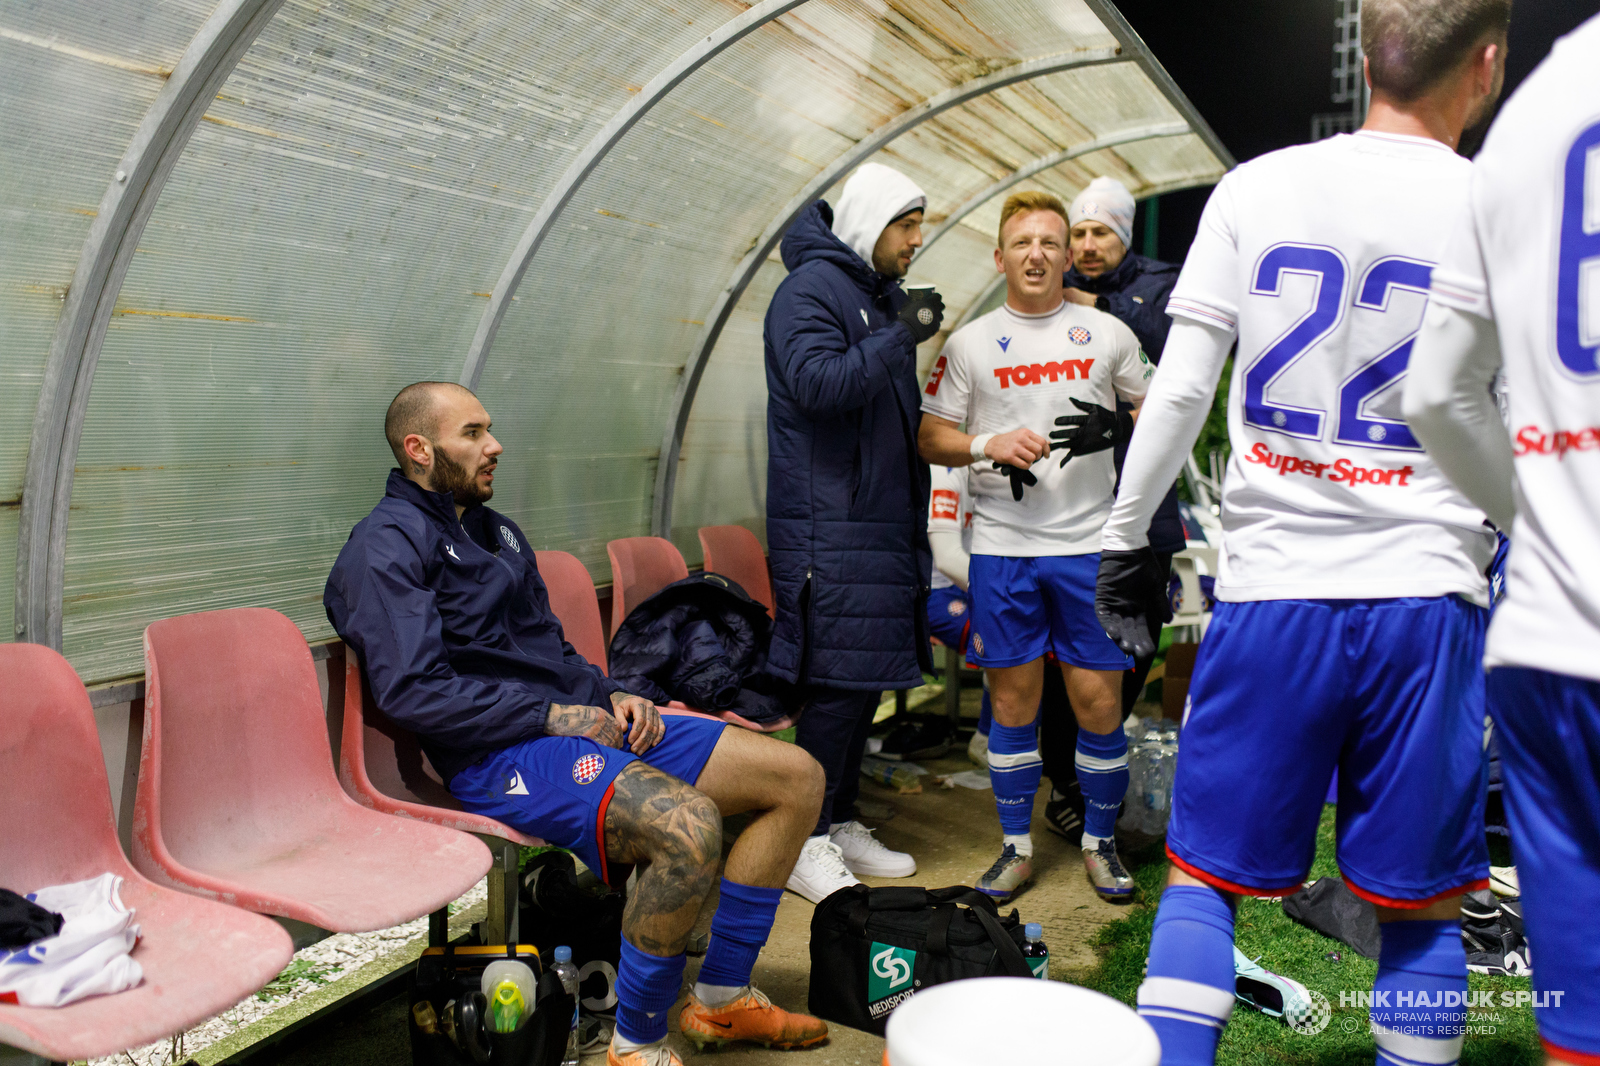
453 627
811 240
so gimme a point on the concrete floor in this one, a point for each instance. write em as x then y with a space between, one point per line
954 835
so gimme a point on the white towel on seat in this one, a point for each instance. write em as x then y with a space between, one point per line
89 957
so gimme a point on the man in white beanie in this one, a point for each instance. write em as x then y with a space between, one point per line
1134 289
847 496
1106 276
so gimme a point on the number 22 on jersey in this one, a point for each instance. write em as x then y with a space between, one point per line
1353 423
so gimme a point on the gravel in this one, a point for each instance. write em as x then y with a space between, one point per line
319 964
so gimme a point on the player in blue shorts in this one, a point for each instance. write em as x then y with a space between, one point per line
950 619
441 600
1040 365
949 607
1352 597
1508 297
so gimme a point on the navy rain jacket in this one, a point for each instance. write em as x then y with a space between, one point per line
847 494
452 624
1136 292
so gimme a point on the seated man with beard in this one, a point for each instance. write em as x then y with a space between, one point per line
441 600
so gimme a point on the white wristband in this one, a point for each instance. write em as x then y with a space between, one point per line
979 443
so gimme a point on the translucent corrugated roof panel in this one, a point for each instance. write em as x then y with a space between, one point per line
966 161
76 80
348 214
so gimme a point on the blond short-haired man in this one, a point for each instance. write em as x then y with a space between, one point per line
1040 375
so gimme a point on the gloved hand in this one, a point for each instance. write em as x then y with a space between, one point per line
1093 431
922 312
1129 591
1019 477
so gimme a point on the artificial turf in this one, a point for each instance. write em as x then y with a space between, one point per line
1500 1036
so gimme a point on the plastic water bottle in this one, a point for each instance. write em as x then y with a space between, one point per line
569 980
891 774
1035 952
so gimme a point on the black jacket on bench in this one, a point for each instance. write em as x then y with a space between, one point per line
452 624
701 640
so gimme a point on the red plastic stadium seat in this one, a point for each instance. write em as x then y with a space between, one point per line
238 799
734 552
381 767
573 599
199 958
640 568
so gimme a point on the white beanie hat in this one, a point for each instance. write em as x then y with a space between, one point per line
1107 201
874 196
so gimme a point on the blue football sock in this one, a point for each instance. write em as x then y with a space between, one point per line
1419 996
1187 994
647 987
738 930
985 715
1102 762
1014 771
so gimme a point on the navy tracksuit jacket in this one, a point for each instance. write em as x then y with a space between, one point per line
453 626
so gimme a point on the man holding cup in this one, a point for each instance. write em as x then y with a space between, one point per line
847 497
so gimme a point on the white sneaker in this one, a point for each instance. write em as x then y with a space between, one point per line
978 750
864 854
820 871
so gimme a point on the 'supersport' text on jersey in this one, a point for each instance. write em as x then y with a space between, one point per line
1320 257
1008 370
1527 257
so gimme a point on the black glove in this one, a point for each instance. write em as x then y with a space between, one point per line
1131 590
1093 431
1019 477
922 312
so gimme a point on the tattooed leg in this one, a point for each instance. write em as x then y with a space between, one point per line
781 785
673 833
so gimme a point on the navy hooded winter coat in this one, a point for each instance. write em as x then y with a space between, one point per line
1135 292
847 494
453 626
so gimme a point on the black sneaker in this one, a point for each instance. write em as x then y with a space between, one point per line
926 738
1491 932
1479 907
1064 817
1507 958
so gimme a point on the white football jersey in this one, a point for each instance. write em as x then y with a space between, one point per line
1007 370
1319 256
1527 257
950 511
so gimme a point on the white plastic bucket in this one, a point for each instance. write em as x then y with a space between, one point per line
990 1020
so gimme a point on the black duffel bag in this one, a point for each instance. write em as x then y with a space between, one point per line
871 948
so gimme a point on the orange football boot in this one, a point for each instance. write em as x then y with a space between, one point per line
749 1016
